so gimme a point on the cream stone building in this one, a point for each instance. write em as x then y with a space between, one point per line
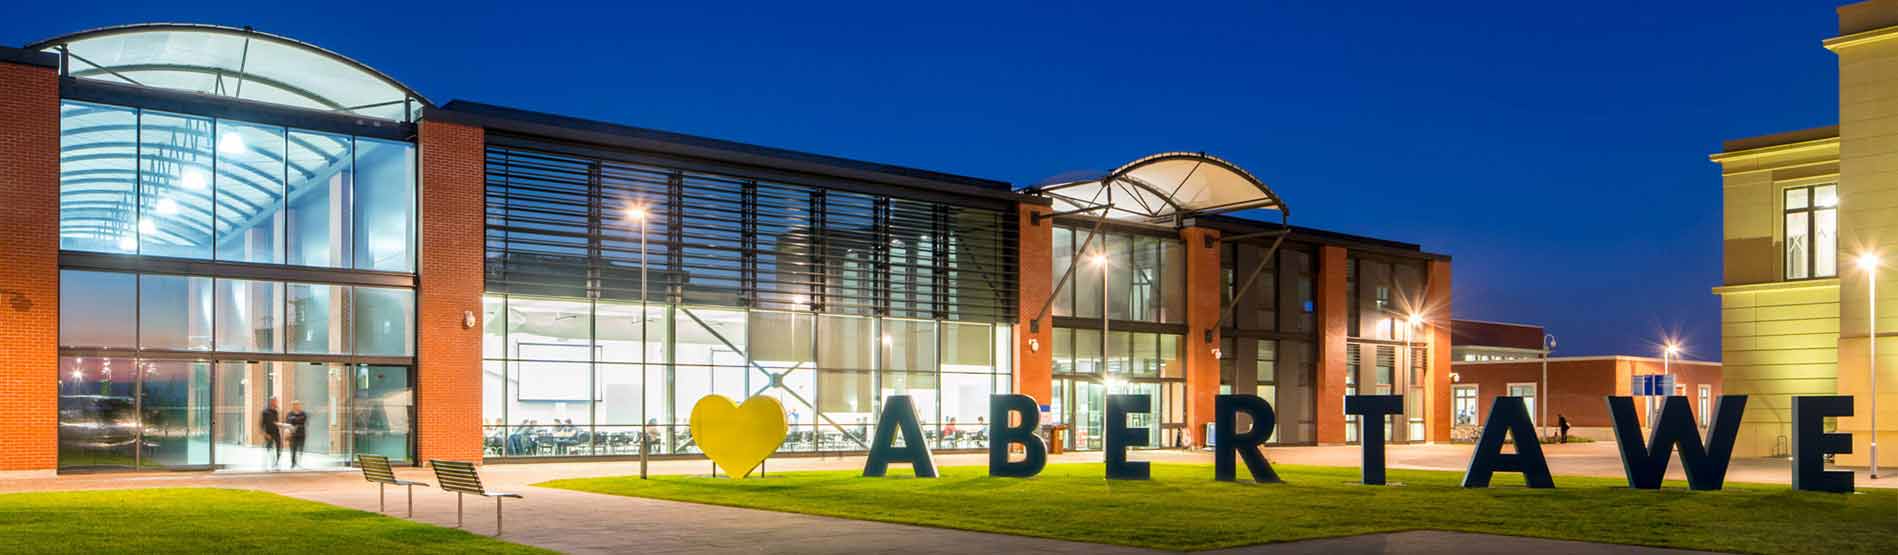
1801 208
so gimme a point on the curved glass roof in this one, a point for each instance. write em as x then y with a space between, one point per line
1166 188
237 63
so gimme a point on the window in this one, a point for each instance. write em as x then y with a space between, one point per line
1706 405
1527 391
1812 226
1463 405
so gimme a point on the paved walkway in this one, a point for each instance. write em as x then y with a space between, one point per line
579 522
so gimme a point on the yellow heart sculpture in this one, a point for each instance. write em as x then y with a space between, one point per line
738 437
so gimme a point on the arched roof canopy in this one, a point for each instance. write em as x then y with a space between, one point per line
1168 189
236 63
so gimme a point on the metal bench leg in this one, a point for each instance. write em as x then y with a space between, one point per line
457 510
379 505
411 500
497 516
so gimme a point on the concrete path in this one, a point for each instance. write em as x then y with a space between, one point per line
579 522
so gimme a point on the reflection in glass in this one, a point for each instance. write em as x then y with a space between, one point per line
383 411
250 166
174 312
98 417
175 410
384 231
384 320
98 178
176 212
97 309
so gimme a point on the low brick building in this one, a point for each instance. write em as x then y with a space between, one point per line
1576 388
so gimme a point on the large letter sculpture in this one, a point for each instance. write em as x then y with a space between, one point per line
1646 463
898 411
1508 416
1811 443
1371 410
1227 441
1003 435
1120 437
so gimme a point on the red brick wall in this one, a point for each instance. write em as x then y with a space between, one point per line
1034 368
1332 327
1490 334
1442 330
29 280
1578 388
1203 303
448 359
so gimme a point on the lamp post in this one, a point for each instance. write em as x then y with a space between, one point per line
1869 263
1542 410
1669 350
1411 323
638 213
1100 263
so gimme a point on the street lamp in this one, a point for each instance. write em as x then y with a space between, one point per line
1099 259
1411 323
1542 409
638 213
1869 263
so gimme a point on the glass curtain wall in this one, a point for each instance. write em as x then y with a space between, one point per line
1385 354
136 181
1267 349
824 298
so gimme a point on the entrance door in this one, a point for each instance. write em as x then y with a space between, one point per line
320 391
1089 415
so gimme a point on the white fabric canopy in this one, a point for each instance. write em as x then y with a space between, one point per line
1166 188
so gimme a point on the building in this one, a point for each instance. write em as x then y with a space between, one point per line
203 222
1576 388
1800 208
1476 340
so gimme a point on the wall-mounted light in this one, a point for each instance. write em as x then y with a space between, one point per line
1216 354
468 319
1034 345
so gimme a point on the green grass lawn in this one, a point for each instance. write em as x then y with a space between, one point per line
201 520
1183 508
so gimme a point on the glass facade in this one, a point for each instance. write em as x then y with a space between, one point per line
822 296
1267 347
174 368
1145 276
180 186
1144 281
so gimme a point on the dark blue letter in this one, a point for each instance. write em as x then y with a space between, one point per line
898 411
1646 464
1119 436
1508 416
1227 440
1002 435
1811 443
1371 411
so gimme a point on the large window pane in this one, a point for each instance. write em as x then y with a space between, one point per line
909 345
1146 279
97 309
175 163
965 409
1063 256
385 319
1825 243
1797 243
98 178
249 316
846 343
175 413
385 206
98 417
250 170
967 347
321 176
174 312
618 329
1119 277
384 409
317 322
1173 282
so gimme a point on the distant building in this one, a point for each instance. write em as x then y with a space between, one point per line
1577 388
1479 341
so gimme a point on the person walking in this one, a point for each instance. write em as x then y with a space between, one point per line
299 426
273 436
1562 423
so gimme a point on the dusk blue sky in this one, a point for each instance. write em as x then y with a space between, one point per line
1558 151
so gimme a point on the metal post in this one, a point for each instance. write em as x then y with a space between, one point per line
1548 345
643 377
1871 350
380 507
411 501
497 516
457 509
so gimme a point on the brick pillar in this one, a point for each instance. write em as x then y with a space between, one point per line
1332 330
448 373
29 280
1202 317
1437 375
1034 366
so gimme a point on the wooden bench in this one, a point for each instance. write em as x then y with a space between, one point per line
461 478
375 468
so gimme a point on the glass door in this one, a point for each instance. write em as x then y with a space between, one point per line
299 415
